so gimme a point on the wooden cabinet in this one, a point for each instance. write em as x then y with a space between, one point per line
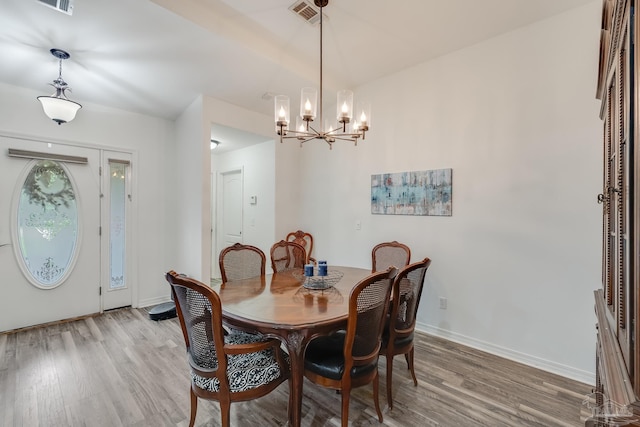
617 305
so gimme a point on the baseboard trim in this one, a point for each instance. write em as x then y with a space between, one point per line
153 301
52 323
536 362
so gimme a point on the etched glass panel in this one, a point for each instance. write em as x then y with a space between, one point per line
47 223
117 185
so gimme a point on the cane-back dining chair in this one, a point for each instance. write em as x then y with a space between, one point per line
240 261
227 368
287 256
397 337
349 359
303 239
387 254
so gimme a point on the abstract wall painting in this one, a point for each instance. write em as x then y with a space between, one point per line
412 193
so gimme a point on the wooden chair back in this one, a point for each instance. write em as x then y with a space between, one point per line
368 306
387 254
303 239
240 261
287 256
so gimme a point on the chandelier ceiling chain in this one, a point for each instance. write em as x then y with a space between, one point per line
347 128
58 107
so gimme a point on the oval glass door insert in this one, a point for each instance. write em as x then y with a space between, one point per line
47 224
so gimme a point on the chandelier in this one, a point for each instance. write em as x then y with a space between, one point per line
57 107
348 126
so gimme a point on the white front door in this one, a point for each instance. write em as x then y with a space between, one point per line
49 232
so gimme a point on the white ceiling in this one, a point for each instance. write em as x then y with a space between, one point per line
155 56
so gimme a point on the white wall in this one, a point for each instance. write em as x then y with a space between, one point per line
516 119
99 126
288 187
258 165
190 199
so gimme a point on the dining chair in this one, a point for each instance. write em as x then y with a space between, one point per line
224 367
305 240
397 338
287 256
349 358
386 254
240 261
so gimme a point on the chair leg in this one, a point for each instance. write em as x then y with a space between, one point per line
194 408
225 410
413 372
376 401
345 407
389 380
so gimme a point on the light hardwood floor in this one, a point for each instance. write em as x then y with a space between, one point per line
122 369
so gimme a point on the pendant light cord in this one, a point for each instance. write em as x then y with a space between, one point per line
321 121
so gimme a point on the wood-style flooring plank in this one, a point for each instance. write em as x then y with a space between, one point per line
122 369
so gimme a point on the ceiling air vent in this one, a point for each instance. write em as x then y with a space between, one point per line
64 6
306 10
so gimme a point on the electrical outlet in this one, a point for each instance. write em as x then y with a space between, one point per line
358 225
443 303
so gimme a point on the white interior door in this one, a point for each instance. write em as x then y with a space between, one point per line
215 268
229 209
49 232
232 207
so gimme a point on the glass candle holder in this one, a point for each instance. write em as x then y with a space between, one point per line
308 270
322 269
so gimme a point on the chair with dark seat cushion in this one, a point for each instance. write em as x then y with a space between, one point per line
305 240
240 261
397 337
227 368
287 256
387 254
349 359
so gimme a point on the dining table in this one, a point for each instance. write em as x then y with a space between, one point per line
293 308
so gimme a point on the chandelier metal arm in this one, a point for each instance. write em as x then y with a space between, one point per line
345 111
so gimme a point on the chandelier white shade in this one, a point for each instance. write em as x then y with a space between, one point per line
350 125
57 107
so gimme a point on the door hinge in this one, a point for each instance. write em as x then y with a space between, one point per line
100 231
100 290
100 170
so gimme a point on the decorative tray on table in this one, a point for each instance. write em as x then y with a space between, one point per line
319 282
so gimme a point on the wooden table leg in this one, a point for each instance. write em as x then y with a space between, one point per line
296 342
